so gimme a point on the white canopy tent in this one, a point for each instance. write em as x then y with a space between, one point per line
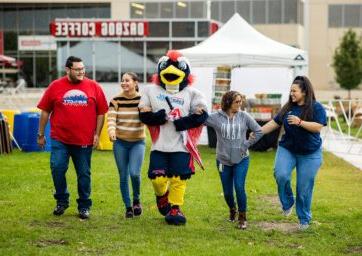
238 44
260 64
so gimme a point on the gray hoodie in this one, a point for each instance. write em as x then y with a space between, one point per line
232 145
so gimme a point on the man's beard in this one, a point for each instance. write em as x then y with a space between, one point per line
74 79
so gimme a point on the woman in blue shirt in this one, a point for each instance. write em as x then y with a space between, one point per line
300 147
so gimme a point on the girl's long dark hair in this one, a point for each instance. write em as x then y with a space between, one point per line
305 86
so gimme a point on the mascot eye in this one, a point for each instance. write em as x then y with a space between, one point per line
182 65
163 65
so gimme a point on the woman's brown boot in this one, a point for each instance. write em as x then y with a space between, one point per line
242 220
232 215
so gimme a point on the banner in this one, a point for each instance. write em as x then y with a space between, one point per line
36 43
98 28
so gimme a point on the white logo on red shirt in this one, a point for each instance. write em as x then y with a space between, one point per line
75 98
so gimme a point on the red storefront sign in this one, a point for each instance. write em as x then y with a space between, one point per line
69 28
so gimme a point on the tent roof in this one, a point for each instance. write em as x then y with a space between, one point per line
238 44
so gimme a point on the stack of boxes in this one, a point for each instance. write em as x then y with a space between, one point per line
264 106
222 80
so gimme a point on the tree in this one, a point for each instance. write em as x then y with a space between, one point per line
347 62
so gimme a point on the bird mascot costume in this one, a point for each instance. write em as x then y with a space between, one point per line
174 112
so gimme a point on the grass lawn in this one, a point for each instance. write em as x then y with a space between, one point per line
29 228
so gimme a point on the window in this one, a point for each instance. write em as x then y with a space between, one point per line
275 12
182 9
74 11
259 8
290 11
10 19
41 19
137 10
197 9
203 29
104 11
183 29
151 10
159 29
26 19
300 12
243 8
167 10
215 9
227 10
335 16
58 11
352 15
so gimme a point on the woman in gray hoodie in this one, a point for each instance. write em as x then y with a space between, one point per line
232 155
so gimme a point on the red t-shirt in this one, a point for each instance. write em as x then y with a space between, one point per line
74 109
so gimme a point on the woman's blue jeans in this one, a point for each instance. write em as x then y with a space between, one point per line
233 177
307 167
129 158
59 161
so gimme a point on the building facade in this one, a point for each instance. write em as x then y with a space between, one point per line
314 25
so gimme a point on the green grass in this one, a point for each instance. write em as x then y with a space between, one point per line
29 228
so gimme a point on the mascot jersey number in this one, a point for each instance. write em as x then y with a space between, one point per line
168 109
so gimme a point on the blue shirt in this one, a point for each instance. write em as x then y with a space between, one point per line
297 139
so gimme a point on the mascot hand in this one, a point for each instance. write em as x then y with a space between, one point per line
174 114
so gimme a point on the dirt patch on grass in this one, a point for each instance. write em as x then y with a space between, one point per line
354 250
285 227
50 242
55 224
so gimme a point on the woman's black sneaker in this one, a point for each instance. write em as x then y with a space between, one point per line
137 208
129 212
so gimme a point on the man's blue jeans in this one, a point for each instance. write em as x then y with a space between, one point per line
59 161
129 158
234 177
307 167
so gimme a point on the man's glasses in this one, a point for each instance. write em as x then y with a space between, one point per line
78 70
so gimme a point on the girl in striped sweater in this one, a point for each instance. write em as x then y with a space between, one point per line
127 133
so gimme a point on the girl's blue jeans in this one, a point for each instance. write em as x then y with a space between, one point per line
129 158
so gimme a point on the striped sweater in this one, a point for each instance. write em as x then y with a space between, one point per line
123 118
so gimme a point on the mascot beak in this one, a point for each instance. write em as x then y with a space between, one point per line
172 75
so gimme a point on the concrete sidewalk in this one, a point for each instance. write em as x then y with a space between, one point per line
343 146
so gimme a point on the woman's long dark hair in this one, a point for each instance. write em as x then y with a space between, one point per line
307 109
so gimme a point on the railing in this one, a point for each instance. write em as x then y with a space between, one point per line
343 131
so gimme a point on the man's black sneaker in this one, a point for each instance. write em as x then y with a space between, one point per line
60 209
84 213
129 212
137 208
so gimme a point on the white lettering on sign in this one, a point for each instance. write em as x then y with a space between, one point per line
105 28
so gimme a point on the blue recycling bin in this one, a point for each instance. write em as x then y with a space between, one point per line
26 127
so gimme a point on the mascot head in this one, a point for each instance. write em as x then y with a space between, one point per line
173 72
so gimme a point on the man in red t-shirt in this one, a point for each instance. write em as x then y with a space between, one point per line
76 106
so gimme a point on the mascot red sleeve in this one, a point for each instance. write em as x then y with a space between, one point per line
172 111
